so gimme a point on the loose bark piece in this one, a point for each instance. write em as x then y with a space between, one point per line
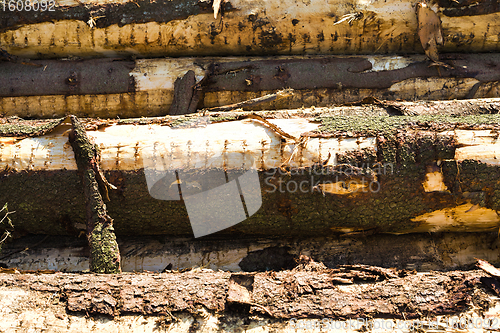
429 30
184 93
104 251
488 268
216 6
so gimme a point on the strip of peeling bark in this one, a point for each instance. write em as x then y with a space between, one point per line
188 27
111 88
104 251
316 174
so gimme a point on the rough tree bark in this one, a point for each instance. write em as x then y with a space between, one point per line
104 251
308 291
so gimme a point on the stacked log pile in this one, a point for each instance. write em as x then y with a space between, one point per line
349 117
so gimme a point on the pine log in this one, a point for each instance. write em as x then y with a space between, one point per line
318 172
108 88
188 28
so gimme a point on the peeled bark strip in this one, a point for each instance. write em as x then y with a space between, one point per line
429 30
186 96
188 28
147 87
394 174
104 252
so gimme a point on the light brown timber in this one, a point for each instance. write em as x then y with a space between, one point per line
188 28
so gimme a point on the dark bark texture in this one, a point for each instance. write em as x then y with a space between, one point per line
105 76
140 11
305 292
102 76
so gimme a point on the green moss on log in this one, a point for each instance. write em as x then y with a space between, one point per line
372 126
24 129
105 255
479 182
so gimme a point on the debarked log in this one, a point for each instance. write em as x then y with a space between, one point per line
187 27
109 88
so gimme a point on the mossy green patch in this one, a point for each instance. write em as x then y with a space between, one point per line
215 119
371 126
21 129
199 120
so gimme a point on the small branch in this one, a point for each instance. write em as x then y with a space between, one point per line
270 125
6 235
252 102
262 308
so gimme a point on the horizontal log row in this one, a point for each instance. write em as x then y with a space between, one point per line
341 174
298 293
119 88
187 28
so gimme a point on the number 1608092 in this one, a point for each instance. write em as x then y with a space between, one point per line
28 5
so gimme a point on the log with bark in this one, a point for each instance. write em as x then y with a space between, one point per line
318 172
361 297
108 88
188 27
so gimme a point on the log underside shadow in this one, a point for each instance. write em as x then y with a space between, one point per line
422 252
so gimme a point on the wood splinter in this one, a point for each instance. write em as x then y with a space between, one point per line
104 251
